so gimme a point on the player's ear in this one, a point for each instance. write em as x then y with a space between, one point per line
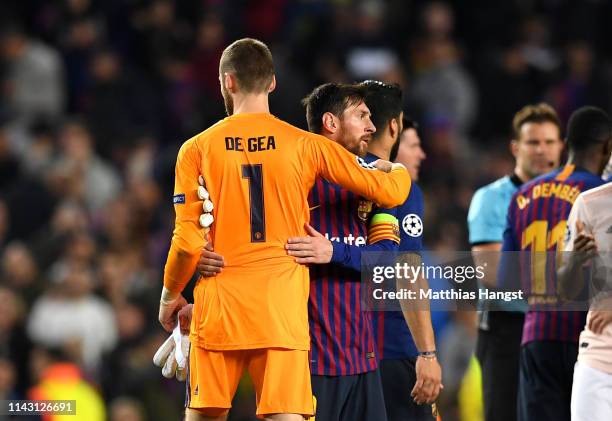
229 81
514 147
330 122
272 84
393 128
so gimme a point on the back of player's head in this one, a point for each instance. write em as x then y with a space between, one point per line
538 113
250 61
332 98
384 101
587 127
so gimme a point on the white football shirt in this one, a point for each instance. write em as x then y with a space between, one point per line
594 209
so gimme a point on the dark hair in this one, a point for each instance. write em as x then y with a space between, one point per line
384 102
408 124
334 98
539 113
588 126
250 61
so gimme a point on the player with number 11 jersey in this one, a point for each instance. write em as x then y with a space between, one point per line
537 219
537 224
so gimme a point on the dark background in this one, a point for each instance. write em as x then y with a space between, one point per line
97 96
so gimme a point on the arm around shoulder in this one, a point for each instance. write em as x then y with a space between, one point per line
331 161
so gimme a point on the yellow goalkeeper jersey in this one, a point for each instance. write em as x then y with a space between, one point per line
258 171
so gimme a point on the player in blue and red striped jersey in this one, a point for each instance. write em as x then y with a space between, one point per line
383 235
410 376
537 219
343 363
344 367
403 374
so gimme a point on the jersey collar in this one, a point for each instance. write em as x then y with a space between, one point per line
515 180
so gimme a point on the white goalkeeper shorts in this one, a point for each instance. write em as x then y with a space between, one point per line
591 394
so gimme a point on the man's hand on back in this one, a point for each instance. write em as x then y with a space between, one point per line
312 249
585 246
210 263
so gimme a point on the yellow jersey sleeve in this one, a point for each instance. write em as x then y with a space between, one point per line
334 163
188 236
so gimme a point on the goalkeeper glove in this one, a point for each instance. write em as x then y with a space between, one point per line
206 219
172 356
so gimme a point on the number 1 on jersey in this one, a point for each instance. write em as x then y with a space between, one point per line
254 173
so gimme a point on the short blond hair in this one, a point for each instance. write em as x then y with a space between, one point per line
538 113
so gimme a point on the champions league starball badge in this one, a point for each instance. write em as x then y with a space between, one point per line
412 225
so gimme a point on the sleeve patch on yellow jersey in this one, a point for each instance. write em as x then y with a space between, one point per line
178 199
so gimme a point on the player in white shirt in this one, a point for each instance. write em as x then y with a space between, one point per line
590 233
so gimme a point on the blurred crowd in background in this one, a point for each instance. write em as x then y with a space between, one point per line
97 96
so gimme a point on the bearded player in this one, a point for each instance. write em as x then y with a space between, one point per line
258 171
